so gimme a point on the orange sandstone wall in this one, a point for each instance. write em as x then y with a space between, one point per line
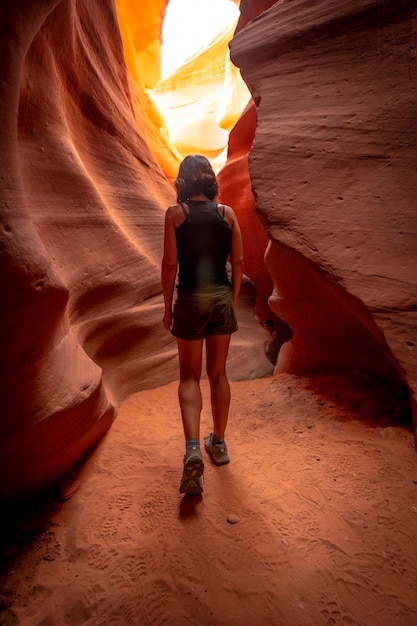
82 204
235 185
141 32
235 189
333 170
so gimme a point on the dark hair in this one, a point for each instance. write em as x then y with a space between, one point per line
195 176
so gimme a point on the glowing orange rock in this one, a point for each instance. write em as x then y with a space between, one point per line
203 99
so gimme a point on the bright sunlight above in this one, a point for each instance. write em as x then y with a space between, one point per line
190 25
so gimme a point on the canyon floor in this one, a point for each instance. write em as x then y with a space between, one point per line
326 495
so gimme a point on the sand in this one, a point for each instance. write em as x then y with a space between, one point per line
325 497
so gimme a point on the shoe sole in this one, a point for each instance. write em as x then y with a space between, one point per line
192 477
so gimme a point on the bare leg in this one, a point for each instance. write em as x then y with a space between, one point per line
217 348
189 393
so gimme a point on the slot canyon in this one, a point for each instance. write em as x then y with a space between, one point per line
315 149
86 173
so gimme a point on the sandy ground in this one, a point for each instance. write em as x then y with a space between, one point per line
325 493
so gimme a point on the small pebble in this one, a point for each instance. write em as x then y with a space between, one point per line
387 433
233 519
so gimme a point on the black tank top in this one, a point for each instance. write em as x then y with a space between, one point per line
203 245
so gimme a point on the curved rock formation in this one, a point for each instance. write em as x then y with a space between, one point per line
82 207
334 173
235 187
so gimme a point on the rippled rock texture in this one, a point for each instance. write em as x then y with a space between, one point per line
82 206
333 169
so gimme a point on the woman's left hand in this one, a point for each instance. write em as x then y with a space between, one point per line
167 320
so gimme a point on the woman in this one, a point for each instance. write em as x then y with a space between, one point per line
200 235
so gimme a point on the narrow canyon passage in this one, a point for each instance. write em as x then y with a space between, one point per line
87 173
320 169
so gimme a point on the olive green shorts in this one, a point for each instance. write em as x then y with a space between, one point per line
206 311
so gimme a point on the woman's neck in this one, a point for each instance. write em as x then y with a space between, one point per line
199 196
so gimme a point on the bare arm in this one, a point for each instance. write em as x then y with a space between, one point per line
169 266
236 256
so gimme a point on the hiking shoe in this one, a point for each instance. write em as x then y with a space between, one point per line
218 451
192 477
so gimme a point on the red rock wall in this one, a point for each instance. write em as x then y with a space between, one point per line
235 190
235 185
82 205
333 169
